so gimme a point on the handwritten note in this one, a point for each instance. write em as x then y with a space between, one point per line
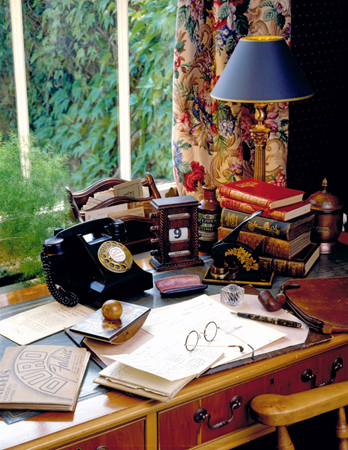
166 355
132 189
181 318
169 359
37 323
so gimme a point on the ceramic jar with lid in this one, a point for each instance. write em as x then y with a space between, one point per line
328 221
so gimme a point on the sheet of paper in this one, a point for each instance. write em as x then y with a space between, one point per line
178 320
91 203
104 212
132 189
104 349
169 359
130 377
37 323
138 212
293 336
104 195
120 376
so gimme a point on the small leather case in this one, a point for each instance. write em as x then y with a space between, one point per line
322 303
179 284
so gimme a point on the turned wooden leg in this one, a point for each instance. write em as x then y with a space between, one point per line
284 440
342 429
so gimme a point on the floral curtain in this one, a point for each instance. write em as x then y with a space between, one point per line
211 139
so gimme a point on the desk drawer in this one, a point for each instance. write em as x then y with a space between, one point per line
178 429
128 436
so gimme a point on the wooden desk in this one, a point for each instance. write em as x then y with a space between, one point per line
117 421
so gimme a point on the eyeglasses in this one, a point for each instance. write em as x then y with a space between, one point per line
209 333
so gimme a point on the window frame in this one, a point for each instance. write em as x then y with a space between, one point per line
20 83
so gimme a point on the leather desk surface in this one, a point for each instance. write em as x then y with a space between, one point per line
56 430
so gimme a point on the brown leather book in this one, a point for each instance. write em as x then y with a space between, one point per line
269 246
320 302
299 266
266 226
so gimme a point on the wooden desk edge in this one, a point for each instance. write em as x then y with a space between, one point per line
115 408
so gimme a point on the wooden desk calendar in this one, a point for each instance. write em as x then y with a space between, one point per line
176 233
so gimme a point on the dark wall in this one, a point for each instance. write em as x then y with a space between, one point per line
318 128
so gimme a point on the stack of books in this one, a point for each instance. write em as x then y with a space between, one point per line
281 234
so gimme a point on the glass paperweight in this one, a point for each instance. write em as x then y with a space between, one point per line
232 295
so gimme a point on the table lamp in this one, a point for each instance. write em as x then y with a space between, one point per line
262 70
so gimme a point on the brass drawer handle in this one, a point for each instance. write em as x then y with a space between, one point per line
201 414
308 375
102 447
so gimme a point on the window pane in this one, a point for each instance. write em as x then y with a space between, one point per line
71 53
71 48
152 41
8 117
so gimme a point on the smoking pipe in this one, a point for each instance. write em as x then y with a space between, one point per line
275 304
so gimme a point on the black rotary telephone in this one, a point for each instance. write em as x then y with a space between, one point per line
88 263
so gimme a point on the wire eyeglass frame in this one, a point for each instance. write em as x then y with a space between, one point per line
209 334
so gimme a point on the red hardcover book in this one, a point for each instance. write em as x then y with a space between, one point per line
283 214
257 192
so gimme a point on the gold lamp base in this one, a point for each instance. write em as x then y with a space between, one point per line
259 134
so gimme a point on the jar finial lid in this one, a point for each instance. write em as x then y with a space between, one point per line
324 201
324 184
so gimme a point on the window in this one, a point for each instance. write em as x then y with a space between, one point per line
78 77
7 88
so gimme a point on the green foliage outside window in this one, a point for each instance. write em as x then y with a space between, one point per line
71 47
30 207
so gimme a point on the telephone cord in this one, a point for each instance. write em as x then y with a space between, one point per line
66 298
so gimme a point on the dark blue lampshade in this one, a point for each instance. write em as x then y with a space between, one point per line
262 69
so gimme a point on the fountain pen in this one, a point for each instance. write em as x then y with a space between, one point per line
273 320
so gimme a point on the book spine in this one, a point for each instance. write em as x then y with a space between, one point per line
264 245
283 267
259 225
249 208
234 194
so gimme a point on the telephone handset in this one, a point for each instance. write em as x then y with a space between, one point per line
88 263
